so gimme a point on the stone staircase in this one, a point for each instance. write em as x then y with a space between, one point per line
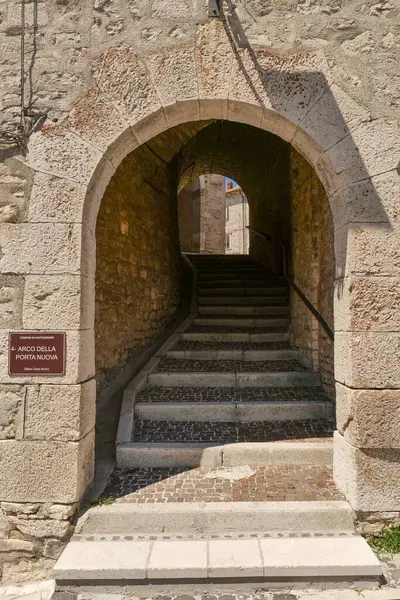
224 455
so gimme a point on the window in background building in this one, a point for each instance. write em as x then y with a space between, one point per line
226 213
228 240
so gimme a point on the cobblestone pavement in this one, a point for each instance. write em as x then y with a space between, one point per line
227 432
198 394
228 366
206 484
193 345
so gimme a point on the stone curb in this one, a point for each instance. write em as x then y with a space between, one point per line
220 517
135 454
233 411
239 380
247 355
235 337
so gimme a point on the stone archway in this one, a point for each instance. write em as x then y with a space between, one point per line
135 99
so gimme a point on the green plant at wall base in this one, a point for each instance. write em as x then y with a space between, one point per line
103 501
387 542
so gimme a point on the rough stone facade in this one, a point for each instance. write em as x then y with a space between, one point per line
138 262
208 214
189 202
212 214
236 221
109 76
312 265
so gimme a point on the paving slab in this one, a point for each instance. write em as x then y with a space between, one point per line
103 560
178 560
318 557
238 558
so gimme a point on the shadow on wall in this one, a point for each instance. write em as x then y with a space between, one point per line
338 141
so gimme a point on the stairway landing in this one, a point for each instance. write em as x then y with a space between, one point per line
224 456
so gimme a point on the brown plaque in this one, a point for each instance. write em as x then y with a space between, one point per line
36 353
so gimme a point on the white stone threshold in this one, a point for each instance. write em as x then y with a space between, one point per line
210 559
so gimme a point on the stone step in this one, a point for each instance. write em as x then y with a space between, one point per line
195 454
243 346
219 517
214 379
241 291
210 336
206 395
232 411
235 272
223 282
242 355
241 322
242 310
243 300
211 560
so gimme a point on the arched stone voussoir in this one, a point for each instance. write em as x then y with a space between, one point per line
240 112
174 74
57 150
253 74
303 80
371 149
214 58
372 200
333 117
125 81
96 120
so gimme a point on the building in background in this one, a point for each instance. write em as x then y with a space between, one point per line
213 216
236 220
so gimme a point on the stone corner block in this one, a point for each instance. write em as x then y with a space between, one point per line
59 412
368 418
368 478
46 471
368 359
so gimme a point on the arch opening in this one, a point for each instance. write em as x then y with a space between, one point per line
140 274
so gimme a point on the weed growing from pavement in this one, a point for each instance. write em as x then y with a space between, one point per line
103 501
387 542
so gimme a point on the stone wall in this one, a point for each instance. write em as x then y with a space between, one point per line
312 267
324 78
64 40
189 217
138 266
212 214
236 221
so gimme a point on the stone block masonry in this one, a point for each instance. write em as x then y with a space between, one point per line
138 268
110 76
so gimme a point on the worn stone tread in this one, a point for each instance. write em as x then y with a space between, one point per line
232 329
193 345
198 394
227 432
175 365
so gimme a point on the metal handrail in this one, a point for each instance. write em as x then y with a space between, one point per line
259 233
298 291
